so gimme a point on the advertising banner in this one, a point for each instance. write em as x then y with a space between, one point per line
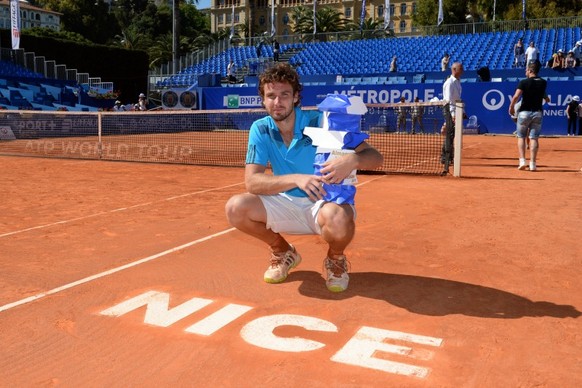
15 23
489 101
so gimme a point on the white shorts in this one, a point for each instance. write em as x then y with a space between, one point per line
293 215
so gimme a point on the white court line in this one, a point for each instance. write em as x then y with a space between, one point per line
115 210
111 271
126 266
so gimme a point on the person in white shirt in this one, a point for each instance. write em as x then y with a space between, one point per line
231 69
142 102
577 50
532 53
451 94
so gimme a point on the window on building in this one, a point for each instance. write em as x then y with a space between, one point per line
403 26
286 19
413 8
262 20
392 9
403 9
348 12
380 11
236 17
220 19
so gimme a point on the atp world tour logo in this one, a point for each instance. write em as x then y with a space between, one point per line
493 99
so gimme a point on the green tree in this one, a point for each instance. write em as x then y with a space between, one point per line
327 19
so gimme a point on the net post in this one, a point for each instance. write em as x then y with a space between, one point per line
459 113
99 143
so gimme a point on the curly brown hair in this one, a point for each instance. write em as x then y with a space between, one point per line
284 73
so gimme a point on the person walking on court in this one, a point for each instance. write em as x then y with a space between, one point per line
416 113
290 200
532 91
451 94
572 114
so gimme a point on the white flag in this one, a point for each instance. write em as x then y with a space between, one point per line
15 23
440 17
273 27
314 19
232 23
386 14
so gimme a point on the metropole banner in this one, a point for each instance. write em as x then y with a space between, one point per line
15 23
489 101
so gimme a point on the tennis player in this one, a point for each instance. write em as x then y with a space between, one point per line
532 91
290 199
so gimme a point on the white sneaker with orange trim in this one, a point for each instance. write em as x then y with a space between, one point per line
337 274
281 263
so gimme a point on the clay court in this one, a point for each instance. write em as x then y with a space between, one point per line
127 274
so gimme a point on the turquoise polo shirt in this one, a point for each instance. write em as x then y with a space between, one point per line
266 146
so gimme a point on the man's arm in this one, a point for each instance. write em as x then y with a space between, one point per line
514 100
366 157
258 182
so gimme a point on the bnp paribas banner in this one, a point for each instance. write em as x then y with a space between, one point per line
489 101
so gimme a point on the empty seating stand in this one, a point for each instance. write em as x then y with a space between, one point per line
416 55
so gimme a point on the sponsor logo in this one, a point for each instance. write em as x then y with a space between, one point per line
232 101
493 99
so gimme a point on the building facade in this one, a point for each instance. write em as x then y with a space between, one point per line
256 14
30 16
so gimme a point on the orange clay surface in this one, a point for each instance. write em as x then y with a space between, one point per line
455 282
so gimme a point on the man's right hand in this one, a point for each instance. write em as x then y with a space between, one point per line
312 185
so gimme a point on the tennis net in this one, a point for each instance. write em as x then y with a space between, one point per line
408 135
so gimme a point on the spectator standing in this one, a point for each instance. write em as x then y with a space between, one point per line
577 50
393 65
276 48
401 113
532 53
532 91
231 71
290 200
519 54
416 113
258 48
445 62
579 114
572 115
451 94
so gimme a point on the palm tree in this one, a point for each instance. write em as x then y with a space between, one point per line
327 20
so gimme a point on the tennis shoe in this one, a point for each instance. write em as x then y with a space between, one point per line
281 263
337 274
532 166
522 165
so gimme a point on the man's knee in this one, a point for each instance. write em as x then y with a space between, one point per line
338 220
235 209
